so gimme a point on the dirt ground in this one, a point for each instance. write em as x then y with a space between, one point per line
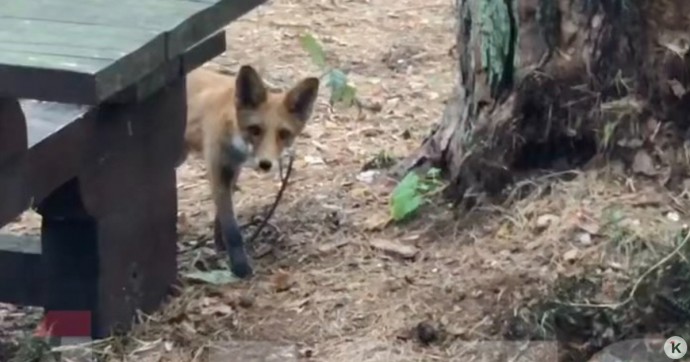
337 282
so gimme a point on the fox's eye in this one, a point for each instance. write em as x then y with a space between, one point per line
254 130
284 134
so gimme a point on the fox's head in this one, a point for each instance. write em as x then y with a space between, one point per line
269 122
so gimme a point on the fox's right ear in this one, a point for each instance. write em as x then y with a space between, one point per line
250 91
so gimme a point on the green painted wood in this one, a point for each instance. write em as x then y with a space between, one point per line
39 59
64 50
89 50
206 22
192 58
53 32
158 15
98 60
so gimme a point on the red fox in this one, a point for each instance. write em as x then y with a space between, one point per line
235 122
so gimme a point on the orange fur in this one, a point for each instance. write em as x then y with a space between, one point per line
236 121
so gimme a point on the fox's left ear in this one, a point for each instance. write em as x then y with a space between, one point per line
300 99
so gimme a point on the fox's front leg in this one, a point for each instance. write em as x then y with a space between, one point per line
227 232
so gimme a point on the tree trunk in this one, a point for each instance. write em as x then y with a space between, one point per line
548 84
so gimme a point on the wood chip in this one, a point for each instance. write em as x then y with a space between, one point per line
570 255
377 221
328 247
281 281
395 248
546 220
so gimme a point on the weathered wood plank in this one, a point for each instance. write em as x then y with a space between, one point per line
47 32
20 269
168 72
204 50
150 14
187 22
64 52
206 22
39 59
87 51
71 52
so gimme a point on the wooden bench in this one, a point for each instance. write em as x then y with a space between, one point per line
92 116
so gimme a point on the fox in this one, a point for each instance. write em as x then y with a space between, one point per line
235 122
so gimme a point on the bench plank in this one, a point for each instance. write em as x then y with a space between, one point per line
207 21
158 15
195 56
71 57
87 51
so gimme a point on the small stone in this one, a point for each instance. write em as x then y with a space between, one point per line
585 239
314 160
246 301
426 332
544 221
673 216
368 176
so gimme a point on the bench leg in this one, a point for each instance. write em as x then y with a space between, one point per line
13 144
109 236
13 138
69 256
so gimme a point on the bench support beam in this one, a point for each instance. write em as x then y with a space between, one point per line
109 239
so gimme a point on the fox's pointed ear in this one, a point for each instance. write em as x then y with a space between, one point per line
300 99
250 91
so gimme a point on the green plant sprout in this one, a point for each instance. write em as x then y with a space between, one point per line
336 80
412 192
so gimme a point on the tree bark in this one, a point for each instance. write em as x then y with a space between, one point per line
548 84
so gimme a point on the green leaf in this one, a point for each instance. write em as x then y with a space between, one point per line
406 198
337 80
405 206
341 91
215 277
409 183
348 95
316 52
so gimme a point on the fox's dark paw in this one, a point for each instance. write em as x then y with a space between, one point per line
229 239
239 263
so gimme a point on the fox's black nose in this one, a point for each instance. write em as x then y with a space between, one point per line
265 165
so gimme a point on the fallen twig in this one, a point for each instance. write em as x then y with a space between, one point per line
279 196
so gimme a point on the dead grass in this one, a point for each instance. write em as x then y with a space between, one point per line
322 285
